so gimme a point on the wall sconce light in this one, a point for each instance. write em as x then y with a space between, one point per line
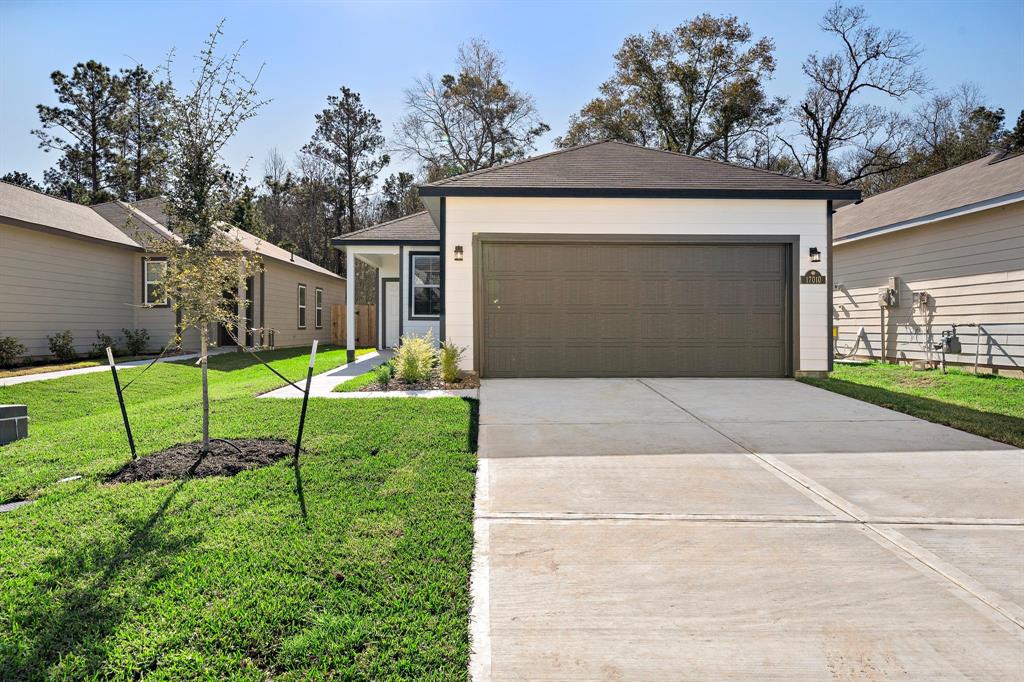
458 252
815 255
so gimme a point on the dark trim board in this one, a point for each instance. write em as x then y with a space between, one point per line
444 257
401 293
341 242
636 193
828 283
792 257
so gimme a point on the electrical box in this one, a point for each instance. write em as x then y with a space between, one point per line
922 299
889 297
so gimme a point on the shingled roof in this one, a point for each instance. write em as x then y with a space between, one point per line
618 169
415 228
975 184
29 208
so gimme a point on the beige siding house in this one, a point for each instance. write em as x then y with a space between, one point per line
610 259
952 246
85 269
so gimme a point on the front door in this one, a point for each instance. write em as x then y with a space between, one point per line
392 309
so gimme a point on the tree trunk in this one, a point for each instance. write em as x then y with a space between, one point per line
204 347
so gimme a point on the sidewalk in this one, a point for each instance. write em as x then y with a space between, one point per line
45 376
322 385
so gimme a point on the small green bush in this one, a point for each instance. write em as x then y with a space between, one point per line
10 350
382 374
414 360
135 340
448 361
62 345
99 349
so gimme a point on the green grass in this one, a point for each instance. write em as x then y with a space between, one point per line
356 382
353 565
43 368
987 405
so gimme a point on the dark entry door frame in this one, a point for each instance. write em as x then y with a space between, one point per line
792 268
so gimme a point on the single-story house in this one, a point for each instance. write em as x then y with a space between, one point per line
68 266
610 259
951 249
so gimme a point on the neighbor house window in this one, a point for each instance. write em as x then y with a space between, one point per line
318 306
425 297
152 272
302 306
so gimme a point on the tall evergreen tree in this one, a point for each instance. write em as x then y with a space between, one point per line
82 130
142 134
348 137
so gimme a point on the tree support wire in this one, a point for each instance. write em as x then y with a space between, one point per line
120 399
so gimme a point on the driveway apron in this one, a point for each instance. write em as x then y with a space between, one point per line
736 529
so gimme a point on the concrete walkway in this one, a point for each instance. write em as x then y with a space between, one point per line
45 376
739 529
323 384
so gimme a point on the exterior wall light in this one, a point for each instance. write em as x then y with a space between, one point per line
815 255
458 252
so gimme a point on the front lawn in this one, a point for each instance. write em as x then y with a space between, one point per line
353 565
990 406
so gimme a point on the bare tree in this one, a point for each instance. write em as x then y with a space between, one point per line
468 121
832 116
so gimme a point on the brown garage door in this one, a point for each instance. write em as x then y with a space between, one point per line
616 310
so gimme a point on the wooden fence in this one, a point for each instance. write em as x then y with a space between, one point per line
366 325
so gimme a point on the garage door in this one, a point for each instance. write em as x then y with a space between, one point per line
617 310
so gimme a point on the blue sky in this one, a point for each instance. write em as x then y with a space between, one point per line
558 51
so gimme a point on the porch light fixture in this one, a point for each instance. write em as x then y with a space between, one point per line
458 252
815 255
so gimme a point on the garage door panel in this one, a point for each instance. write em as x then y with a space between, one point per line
634 310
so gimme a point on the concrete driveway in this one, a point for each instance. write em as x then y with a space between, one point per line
736 529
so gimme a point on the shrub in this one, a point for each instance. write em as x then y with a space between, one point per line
10 349
99 349
415 357
382 374
62 345
448 361
135 340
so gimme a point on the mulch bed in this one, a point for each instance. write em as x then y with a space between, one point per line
185 460
433 384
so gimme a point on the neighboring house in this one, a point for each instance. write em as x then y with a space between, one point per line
953 246
610 259
68 266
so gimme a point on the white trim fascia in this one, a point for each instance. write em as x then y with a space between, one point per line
967 209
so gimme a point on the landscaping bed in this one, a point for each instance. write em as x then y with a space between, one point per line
186 460
350 563
434 383
987 405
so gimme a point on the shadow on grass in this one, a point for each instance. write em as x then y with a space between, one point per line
230 361
474 423
86 603
297 467
999 427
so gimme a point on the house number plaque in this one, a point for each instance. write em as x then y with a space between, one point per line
812 277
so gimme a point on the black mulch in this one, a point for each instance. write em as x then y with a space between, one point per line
433 383
185 460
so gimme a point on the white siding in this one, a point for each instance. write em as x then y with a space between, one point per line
806 219
973 268
50 283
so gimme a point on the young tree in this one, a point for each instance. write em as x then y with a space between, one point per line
348 137
471 120
698 89
209 260
833 116
82 131
142 135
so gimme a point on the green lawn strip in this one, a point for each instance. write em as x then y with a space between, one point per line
986 405
355 383
63 366
222 577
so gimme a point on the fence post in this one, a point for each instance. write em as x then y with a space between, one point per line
120 400
305 398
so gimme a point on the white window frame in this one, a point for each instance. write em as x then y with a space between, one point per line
147 281
318 308
413 315
301 313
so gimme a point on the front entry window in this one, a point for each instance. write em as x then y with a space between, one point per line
426 284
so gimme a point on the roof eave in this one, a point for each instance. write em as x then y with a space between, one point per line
342 242
823 194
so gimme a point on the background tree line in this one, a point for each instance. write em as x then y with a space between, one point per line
700 88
